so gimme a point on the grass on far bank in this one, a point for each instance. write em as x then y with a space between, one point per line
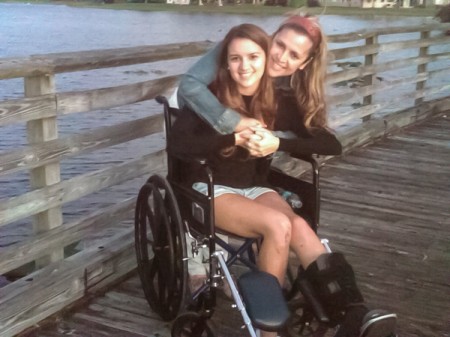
241 9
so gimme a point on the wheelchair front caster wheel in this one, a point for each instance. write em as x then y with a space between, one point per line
302 322
192 324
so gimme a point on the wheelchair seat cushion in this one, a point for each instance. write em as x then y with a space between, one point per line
263 300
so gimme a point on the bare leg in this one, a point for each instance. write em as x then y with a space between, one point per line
304 242
248 218
272 218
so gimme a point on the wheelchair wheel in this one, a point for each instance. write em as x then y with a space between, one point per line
161 248
192 324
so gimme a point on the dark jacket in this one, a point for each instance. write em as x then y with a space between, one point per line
191 135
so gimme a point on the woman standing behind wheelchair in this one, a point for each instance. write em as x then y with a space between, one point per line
244 205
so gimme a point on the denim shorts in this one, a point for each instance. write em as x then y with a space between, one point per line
250 192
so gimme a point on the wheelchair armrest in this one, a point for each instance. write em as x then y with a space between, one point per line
308 158
314 165
309 192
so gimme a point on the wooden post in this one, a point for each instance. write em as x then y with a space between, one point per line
421 68
369 79
39 131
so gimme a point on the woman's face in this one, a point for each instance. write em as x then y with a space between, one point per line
246 63
288 53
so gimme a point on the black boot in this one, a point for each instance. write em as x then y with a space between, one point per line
333 280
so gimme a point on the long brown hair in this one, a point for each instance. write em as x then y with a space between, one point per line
309 83
262 104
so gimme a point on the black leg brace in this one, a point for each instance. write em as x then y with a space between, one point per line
333 280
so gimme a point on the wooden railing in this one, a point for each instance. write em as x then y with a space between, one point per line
50 278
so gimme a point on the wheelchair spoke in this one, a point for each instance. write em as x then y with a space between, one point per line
192 324
161 248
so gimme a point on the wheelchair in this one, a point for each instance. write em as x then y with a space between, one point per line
168 211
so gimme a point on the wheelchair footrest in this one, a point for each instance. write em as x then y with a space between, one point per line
264 300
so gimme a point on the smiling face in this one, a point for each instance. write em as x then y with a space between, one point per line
246 62
289 52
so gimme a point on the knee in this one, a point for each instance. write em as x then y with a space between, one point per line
280 229
301 227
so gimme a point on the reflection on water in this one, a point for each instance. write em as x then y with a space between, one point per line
27 29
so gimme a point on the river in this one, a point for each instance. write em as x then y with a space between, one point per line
27 29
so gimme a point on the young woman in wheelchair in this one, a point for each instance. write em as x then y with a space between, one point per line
238 144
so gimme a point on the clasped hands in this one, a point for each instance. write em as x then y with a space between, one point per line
252 135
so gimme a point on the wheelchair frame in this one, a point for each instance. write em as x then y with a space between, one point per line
164 216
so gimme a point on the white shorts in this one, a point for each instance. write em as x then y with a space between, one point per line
250 192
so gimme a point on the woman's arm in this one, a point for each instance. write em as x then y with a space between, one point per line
193 93
320 142
308 141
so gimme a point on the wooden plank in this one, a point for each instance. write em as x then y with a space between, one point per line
366 33
357 93
51 105
96 59
421 68
30 203
128 303
345 53
405 162
365 202
47 152
41 176
396 191
348 74
50 289
431 133
381 175
398 149
119 319
105 98
27 250
376 128
438 144
26 109
78 327
355 114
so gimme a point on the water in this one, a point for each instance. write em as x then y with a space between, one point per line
27 29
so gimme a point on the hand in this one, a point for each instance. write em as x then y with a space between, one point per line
242 137
247 122
262 142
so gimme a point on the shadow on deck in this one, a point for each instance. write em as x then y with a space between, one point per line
385 205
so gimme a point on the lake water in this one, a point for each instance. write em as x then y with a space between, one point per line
27 29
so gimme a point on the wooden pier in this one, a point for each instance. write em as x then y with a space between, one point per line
385 205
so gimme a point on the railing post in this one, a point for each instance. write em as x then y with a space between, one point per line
369 60
421 68
39 131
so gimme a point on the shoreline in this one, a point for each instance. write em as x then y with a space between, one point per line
246 9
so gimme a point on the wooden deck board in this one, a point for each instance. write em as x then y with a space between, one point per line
385 205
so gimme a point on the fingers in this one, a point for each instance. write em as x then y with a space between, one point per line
247 122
